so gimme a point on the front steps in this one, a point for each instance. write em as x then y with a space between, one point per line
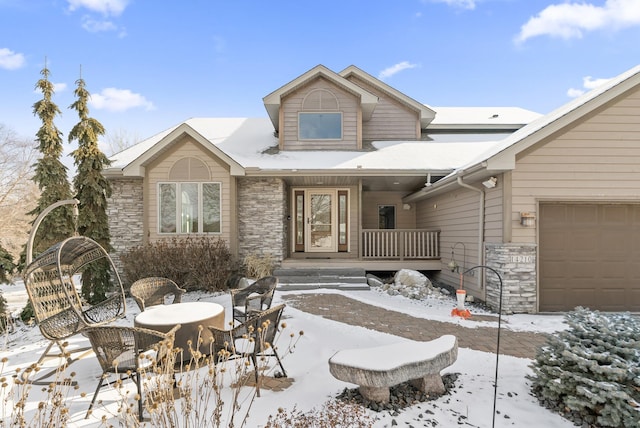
316 278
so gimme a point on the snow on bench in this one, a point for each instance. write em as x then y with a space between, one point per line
376 369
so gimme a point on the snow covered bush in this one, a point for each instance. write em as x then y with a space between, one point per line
590 372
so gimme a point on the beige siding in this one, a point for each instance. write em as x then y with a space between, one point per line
456 215
391 120
158 171
292 105
595 160
405 219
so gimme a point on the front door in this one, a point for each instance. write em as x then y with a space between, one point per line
320 220
321 230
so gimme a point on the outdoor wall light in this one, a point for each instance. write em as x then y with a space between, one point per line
527 219
490 183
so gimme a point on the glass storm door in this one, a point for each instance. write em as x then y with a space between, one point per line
320 229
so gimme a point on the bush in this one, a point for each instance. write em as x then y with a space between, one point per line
590 372
257 267
193 263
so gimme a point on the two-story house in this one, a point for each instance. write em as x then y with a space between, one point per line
348 171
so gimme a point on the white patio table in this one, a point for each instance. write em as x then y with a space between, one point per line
189 315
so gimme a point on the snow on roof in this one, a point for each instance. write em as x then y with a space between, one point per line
492 116
546 120
246 140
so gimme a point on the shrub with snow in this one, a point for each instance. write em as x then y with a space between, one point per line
590 372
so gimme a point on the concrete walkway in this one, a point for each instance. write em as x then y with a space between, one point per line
343 309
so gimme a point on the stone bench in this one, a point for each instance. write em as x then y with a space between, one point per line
376 369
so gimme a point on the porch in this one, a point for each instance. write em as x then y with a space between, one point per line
380 250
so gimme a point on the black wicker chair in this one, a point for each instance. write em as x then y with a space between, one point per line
254 298
254 337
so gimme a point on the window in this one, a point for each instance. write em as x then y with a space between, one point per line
320 126
189 208
386 216
320 118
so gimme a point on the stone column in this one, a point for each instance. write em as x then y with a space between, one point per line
516 264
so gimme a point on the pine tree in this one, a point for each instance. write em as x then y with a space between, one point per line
591 371
92 191
7 267
50 173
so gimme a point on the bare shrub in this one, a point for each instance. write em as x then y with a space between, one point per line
257 267
194 263
332 414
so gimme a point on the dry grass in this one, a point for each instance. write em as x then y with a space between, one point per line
176 394
257 267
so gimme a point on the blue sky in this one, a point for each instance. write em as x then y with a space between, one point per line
152 64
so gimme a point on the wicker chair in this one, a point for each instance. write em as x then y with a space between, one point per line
152 291
255 337
254 298
59 312
127 352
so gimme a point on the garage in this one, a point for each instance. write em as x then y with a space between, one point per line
589 256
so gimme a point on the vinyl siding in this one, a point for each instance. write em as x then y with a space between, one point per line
595 160
391 120
405 219
158 171
348 105
456 215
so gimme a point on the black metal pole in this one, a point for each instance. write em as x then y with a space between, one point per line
495 382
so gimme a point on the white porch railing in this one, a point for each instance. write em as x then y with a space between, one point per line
400 244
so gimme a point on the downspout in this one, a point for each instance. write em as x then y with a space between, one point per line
480 226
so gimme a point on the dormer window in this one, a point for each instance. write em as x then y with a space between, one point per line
320 118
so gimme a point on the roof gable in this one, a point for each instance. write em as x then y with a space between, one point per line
426 113
137 166
503 156
272 102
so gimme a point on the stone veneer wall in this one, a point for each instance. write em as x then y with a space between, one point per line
125 211
516 264
262 211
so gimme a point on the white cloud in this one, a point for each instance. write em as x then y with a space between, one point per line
588 83
93 26
463 4
394 69
572 20
11 60
59 87
114 99
105 7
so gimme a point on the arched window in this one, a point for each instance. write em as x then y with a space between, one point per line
320 118
188 202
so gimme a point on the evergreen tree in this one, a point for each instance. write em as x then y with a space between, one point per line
50 173
92 189
7 267
590 372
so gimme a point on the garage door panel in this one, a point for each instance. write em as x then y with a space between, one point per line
614 215
583 214
611 299
589 256
613 270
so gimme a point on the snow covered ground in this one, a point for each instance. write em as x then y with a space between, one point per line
469 403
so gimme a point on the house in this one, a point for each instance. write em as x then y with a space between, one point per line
348 171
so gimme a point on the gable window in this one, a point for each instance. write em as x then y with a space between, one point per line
320 126
189 207
320 118
386 216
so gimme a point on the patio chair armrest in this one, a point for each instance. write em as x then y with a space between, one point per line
178 295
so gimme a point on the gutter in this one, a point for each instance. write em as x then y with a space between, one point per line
480 225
